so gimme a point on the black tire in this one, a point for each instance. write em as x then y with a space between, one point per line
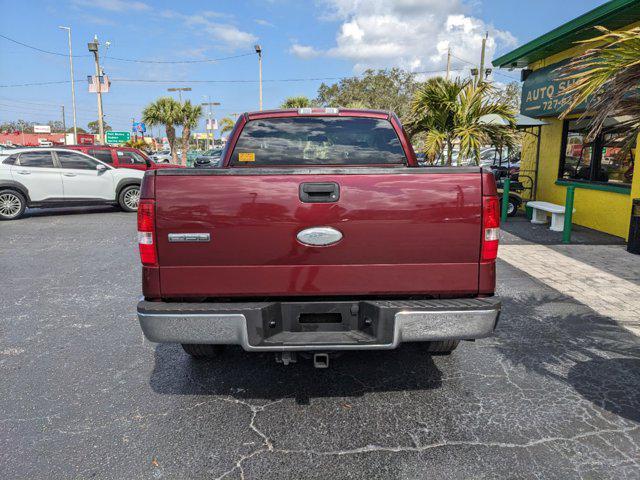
197 350
442 347
512 208
12 204
129 198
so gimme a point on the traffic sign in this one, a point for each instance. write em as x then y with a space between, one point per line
117 137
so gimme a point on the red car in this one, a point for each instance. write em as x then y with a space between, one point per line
319 233
121 157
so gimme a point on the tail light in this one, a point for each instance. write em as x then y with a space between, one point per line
146 232
490 228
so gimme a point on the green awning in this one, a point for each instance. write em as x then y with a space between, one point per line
613 15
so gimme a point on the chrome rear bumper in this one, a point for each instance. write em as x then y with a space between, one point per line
277 326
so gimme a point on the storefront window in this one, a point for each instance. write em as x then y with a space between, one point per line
597 161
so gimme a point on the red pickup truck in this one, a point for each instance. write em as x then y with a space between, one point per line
121 157
318 233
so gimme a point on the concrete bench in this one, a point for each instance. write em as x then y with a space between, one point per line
540 210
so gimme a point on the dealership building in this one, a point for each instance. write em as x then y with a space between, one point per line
555 154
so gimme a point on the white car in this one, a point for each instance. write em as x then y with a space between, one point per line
55 177
163 156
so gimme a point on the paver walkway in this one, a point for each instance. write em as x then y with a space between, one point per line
605 278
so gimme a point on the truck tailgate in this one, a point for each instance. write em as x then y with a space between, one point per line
404 231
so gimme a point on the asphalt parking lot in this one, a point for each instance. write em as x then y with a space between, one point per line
555 394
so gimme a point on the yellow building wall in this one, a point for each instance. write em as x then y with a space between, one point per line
608 212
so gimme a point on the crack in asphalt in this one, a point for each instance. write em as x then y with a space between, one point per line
268 447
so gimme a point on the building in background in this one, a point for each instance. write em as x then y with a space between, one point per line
559 157
44 139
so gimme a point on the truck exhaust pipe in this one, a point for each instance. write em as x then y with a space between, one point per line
321 360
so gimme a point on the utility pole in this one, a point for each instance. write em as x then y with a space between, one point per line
484 46
448 62
259 52
64 125
93 48
73 90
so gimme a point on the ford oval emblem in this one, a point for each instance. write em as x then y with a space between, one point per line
319 236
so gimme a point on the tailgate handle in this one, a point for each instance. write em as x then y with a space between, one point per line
326 192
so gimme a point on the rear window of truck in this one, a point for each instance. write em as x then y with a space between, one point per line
318 141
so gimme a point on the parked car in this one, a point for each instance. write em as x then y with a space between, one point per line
318 234
163 156
209 159
57 177
120 157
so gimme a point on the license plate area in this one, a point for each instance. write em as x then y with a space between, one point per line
321 323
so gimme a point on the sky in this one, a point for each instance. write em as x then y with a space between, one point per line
303 42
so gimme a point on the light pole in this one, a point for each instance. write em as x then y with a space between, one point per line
259 52
73 89
179 90
209 104
93 48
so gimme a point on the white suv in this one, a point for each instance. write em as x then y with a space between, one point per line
54 177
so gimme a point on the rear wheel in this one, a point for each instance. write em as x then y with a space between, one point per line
129 198
442 347
197 350
12 204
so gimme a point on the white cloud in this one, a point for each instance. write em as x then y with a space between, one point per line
113 5
263 22
304 51
412 34
226 34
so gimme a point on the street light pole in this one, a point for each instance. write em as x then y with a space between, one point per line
179 90
209 104
64 125
73 89
259 52
93 47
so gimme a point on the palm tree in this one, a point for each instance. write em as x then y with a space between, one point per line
450 112
607 78
296 102
189 117
226 125
165 111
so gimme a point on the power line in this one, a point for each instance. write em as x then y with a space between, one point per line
274 80
134 60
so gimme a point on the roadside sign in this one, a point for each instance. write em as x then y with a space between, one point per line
118 137
41 129
138 127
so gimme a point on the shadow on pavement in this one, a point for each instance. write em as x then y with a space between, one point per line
557 338
245 375
48 212
519 230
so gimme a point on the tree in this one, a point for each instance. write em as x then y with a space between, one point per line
17 126
168 112
189 117
455 112
510 94
95 129
296 102
226 125
79 129
607 78
56 126
383 89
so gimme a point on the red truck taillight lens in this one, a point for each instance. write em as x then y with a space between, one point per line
490 228
146 232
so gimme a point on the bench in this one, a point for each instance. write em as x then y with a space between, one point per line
540 210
